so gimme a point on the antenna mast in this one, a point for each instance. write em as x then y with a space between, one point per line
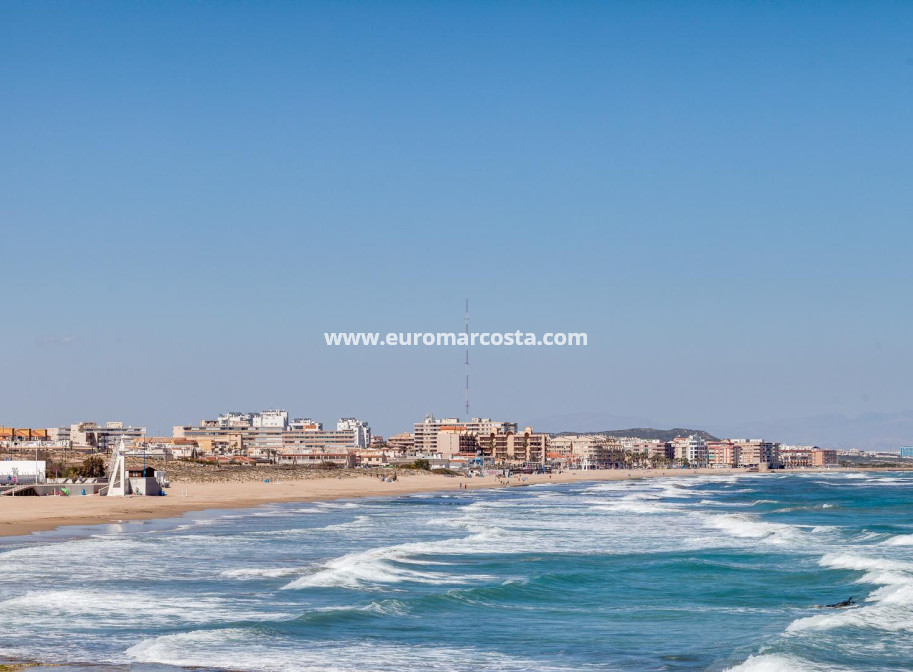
466 319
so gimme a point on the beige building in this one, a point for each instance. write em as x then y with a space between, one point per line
723 453
238 434
402 443
797 457
757 452
426 431
590 451
647 450
453 440
691 450
514 449
319 458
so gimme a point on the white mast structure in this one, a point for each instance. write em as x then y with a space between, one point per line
466 318
117 480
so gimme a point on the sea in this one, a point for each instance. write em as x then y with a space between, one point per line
678 573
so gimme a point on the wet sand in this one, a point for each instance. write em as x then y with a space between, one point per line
24 515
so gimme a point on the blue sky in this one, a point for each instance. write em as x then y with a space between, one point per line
192 193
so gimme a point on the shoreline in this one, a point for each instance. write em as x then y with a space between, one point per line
21 516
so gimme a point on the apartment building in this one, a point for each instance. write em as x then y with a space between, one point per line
91 436
454 440
59 435
319 458
425 432
373 457
232 419
757 453
22 434
300 424
270 432
402 443
797 457
723 453
276 419
528 448
516 449
590 451
645 450
314 439
360 427
691 450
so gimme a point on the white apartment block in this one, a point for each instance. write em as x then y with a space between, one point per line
58 435
233 419
104 439
360 427
693 449
269 432
301 424
275 419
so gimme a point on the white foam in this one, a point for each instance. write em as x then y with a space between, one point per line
889 617
371 568
102 609
900 540
241 649
384 607
250 573
863 563
635 507
746 527
358 523
779 663
714 502
888 608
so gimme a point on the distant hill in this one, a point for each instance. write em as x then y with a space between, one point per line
650 433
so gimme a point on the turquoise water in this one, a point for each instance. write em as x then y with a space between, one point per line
703 573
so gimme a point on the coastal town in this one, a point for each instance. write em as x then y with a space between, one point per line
270 438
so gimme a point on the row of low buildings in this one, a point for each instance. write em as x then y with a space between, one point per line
271 436
598 451
502 444
83 436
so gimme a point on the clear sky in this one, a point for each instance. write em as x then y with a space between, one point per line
719 193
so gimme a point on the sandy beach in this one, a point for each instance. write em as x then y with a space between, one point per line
24 515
